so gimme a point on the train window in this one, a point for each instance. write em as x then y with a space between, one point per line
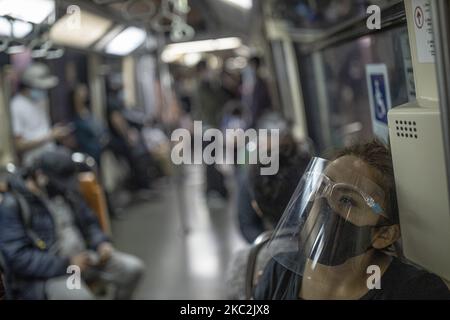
322 14
341 103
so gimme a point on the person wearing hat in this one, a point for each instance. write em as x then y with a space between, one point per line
33 133
55 233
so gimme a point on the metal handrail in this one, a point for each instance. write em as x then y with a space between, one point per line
349 29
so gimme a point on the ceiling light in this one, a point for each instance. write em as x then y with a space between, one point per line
35 11
243 4
20 29
173 51
126 41
191 59
112 33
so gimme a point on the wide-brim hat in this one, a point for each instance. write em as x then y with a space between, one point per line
38 76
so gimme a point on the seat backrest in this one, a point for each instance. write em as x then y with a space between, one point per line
260 242
93 194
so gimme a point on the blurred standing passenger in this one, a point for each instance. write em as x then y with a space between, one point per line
121 133
125 140
255 92
209 101
33 134
209 97
89 132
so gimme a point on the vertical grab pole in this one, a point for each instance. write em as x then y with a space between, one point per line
441 27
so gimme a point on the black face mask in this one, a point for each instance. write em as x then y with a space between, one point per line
55 188
341 239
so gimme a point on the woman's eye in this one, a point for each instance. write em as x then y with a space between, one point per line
345 200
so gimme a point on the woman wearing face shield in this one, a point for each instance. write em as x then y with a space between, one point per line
336 236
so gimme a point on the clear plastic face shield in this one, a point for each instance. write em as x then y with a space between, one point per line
330 221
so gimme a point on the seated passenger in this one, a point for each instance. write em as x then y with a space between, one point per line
250 223
45 227
333 240
30 119
126 142
270 194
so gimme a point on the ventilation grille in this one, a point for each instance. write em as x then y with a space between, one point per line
406 129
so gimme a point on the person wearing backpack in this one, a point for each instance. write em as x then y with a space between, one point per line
47 231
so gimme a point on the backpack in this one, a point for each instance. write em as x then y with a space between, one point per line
6 292
13 187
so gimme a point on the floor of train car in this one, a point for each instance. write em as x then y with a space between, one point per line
181 265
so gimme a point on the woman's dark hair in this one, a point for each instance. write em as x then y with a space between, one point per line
71 103
377 155
256 61
71 99
201 66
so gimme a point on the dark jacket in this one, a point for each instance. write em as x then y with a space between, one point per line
210 99
27 266
400 281
260 101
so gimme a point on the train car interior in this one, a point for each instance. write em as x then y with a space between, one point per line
224 150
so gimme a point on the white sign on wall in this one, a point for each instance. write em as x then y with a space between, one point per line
423 29
379 98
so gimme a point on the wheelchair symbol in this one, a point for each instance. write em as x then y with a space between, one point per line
380 105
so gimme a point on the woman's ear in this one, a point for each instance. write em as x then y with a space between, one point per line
385 236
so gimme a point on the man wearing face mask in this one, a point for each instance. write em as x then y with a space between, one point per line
337 235
29 114
58 230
